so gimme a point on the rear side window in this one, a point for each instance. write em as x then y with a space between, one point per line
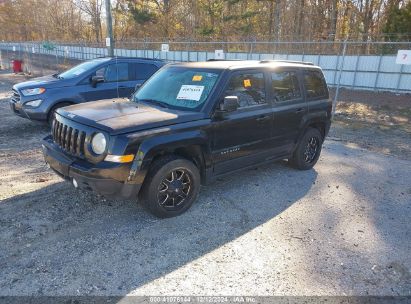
114 72
315 85
117 72
144 71
248 87
285 85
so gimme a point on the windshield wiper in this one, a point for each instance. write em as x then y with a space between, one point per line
157 102
57 76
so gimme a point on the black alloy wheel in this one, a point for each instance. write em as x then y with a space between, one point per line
171 186
174 189
308 150
311 149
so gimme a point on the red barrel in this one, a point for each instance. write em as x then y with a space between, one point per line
17 66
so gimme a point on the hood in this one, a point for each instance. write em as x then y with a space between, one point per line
122 116
45 81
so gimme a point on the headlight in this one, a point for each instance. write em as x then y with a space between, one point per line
34 103
98 143
35 91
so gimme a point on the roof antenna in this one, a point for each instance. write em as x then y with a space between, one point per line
117 73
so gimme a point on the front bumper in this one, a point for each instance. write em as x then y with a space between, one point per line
29 113
105 180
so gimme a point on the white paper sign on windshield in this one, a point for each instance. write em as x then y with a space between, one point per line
190 92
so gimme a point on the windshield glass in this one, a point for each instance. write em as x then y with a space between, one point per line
80 69
176 87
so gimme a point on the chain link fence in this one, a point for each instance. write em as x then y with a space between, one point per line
347 64
355 71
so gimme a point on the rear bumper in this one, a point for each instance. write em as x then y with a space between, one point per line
99 180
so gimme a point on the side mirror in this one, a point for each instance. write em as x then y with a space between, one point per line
137 87
95 80
230 104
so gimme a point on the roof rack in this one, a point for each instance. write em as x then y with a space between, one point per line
288 61
224 59
128 57
266 61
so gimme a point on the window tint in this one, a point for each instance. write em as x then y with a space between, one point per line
81 69
314 84
248 87
144 71
100 72
114 72
285 86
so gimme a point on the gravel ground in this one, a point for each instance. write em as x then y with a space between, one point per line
340 229
379 122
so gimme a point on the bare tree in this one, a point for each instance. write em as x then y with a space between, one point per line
196 19
92 8
277 13
334 19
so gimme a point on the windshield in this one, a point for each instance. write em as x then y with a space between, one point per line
181 88
79 69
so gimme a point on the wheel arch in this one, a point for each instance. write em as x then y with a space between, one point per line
57 105
191 145
318 121
60 101
193 153
319 125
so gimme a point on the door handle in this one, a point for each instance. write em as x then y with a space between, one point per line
299 110
263 118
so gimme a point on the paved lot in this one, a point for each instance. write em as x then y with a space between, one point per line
340 229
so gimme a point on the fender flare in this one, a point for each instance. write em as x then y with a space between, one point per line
317 117
151 147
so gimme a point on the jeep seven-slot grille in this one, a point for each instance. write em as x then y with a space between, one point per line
69 139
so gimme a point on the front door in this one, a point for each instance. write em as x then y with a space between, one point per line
242 137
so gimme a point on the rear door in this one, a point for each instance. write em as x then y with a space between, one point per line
289 107
242 138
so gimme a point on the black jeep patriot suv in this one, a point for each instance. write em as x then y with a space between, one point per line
188 124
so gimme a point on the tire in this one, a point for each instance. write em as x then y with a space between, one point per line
308 150
170 187
52 112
